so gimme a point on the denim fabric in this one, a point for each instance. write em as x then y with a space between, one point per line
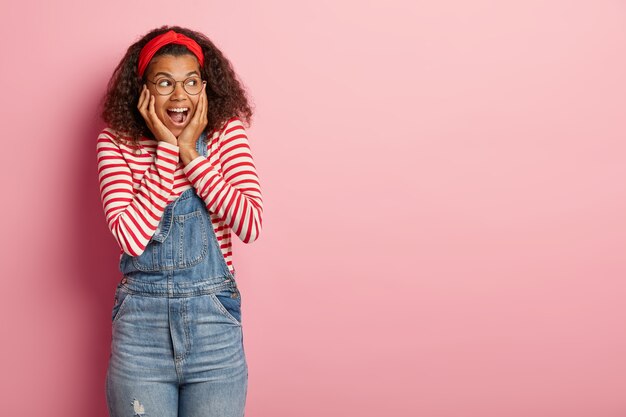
177 338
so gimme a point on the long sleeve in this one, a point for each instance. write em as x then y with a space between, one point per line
132 207
234 192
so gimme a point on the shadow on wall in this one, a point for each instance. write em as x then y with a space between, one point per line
95 253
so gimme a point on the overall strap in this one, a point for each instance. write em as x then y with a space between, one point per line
201 144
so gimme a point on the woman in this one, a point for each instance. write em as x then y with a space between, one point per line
176 177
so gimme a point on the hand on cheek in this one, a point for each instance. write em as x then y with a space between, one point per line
156 126
189 136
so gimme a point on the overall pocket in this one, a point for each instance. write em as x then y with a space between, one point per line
121 299
228 302
191 229
149 259
183 244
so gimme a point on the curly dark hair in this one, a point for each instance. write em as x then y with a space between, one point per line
226 95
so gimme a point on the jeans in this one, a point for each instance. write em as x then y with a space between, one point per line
179 356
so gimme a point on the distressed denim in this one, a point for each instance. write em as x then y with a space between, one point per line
177 338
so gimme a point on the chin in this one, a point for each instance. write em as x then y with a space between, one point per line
176 131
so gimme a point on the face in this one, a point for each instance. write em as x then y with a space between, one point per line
178 68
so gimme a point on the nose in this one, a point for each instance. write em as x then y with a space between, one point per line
179 92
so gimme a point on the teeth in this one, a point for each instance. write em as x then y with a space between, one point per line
179 110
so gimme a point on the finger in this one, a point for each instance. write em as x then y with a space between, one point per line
145 95
199 112
143 102
206 105
202 107
151 110
141 99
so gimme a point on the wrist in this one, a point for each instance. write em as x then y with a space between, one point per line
188 154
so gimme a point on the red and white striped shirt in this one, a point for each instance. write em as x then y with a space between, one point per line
136 186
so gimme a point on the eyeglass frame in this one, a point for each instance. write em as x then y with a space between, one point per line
176 82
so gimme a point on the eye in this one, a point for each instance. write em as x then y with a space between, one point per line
164 82
192 82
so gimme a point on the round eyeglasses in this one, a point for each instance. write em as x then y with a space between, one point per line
166 85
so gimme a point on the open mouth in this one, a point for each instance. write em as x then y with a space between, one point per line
178 115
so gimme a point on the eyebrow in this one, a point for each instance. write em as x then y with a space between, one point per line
170 75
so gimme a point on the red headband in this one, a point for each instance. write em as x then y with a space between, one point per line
148 51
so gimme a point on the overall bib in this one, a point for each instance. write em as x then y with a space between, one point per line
177 339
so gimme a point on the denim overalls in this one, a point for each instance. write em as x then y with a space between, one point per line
177 340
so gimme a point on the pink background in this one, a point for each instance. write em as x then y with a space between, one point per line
444 226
